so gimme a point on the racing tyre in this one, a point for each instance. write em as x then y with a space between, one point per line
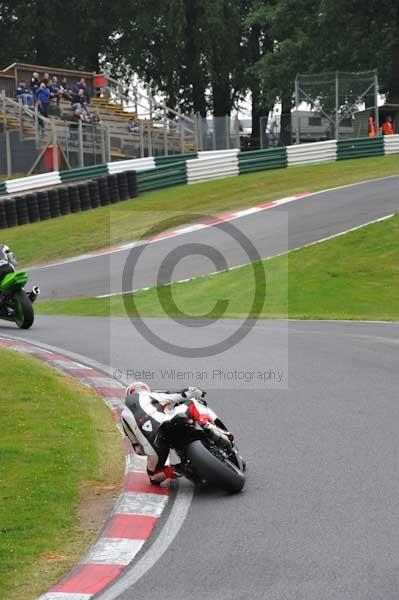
216 471
24 310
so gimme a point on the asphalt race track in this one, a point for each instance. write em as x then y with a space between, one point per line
309 219
319 517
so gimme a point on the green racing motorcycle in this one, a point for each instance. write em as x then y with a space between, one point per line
16 304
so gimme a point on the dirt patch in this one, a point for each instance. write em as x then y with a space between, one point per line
95 505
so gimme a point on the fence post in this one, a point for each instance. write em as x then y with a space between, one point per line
136 102
21 122
150 139
376 109
102 141
237 131
214 133
94 142
197 138
337 105
8 153
37 127
181 122
150 103
56 165
227 126
80 145
165 129
141 135
298 132
107 136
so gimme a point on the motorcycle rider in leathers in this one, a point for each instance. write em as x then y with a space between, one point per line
7 261
146 411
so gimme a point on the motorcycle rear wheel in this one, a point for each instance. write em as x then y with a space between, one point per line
23 310
219 473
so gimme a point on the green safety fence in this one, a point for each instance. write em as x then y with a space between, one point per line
84 173
162 177
3 187
360 148
262 160
161 161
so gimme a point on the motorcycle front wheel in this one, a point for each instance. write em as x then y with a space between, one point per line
23 310
218 472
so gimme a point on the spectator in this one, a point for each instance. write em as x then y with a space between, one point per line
46 79
387 126
372 127
66 91
76 115
55 90
34 83
43 97
82 85
24 94
79 100
95 117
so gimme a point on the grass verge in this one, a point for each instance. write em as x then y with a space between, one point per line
92 230
355 276
59 452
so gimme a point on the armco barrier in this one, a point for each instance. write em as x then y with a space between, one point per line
136 164
218 153
360 148
25 184
161 161
318 152
162 177
207 169
391 144
83 173
262 160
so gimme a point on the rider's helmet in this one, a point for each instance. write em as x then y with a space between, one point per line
137 387
6 250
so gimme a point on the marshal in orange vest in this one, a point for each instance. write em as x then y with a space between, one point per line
387 127
372 127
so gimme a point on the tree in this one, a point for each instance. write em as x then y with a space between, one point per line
41 32
259 42
327 35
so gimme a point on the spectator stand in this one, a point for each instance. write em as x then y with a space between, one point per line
127 126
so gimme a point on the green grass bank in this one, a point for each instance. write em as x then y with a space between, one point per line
354 276
59 450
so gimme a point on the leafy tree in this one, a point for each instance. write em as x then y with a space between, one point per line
326 35
53 33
